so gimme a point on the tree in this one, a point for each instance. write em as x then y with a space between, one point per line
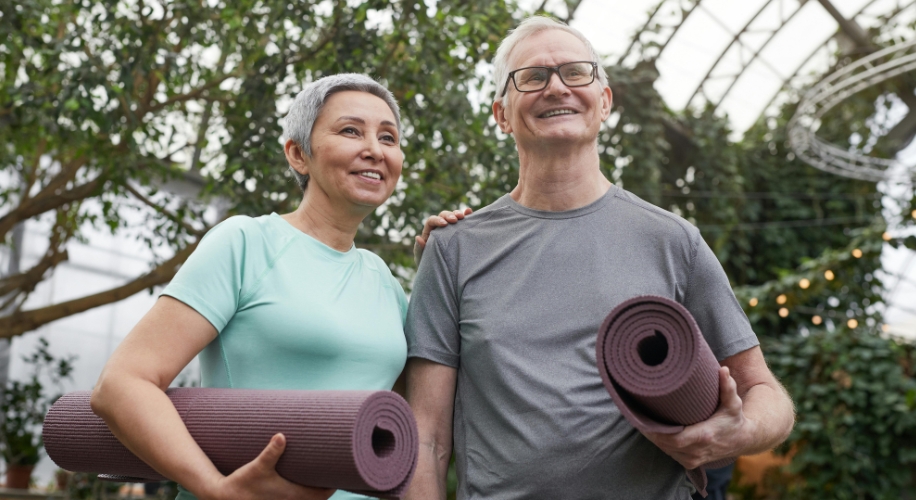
105 105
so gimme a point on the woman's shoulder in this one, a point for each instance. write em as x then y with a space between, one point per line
266 233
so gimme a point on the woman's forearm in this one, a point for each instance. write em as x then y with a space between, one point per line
143 418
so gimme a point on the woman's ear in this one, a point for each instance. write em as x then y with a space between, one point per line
296 157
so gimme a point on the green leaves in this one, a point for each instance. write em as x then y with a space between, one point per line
855 430
24 404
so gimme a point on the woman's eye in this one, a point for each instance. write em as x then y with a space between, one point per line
389 138
350 130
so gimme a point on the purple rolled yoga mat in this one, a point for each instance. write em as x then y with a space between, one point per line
658 369
360 441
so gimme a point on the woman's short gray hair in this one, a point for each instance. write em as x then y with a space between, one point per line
308 104
528 28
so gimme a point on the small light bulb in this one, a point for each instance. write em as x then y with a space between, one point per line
816 320
781 299
804 283
783 312
852 323
829 275
885 327
857 253
886 236
753 302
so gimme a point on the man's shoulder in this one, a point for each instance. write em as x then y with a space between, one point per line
471 224
650 218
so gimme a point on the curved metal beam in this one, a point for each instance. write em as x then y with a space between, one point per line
823 45
735 39
637 38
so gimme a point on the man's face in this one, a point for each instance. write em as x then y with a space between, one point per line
531 117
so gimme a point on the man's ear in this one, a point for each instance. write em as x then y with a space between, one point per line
296 157
607 100
499 113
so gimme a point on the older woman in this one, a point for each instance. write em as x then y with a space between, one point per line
277 301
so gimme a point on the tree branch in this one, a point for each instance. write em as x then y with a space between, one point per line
20 322
161 210
46 201
190 95
28 280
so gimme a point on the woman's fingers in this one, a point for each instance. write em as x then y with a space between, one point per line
272 452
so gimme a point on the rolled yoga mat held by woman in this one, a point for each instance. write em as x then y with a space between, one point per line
275 302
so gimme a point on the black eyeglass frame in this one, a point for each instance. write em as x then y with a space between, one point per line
552 70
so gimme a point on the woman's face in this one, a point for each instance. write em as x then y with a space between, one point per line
356 154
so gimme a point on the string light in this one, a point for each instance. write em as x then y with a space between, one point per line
753 302
852 323
781 299
913 213
886 236
857 253
885 327
817 320
783 312
804 283
829 275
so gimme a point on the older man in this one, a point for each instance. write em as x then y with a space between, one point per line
507 304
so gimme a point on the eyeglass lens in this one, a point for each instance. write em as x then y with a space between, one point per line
573 74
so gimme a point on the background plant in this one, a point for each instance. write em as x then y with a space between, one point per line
25 403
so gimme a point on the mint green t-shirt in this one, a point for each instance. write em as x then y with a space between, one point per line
291 312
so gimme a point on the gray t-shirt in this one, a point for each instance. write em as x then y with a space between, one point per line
513 298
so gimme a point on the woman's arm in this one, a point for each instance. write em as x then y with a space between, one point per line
130 397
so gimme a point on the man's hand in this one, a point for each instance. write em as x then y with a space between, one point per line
725 434
259 479
444 218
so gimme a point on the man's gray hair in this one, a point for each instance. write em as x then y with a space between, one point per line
308 105
528 28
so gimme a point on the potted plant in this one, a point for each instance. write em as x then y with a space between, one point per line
22 410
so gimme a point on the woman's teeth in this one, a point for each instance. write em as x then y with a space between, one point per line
371 175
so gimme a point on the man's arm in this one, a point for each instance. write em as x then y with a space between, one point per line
431 394
755 414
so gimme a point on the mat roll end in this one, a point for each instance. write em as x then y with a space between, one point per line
658 369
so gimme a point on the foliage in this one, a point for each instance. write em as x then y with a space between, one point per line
131 116
855 437
24 405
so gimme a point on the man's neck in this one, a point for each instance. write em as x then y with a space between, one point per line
557 180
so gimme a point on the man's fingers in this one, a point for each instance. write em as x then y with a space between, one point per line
272 452
728 391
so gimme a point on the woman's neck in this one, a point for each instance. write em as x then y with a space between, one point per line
327 225
558 180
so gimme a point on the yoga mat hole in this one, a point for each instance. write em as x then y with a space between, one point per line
653 350
382 442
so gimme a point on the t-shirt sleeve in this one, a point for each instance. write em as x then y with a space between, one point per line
432 317
713 304
210 281
402 298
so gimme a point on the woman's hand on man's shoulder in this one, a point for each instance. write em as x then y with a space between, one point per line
444 218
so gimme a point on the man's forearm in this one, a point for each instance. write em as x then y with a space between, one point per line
772 413
432 469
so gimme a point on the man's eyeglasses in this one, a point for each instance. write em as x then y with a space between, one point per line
534 78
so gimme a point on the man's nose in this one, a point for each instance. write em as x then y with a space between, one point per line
555 85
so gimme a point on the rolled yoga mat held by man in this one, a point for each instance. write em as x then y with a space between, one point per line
502 322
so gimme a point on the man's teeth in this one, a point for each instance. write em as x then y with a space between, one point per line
558 112
371 175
